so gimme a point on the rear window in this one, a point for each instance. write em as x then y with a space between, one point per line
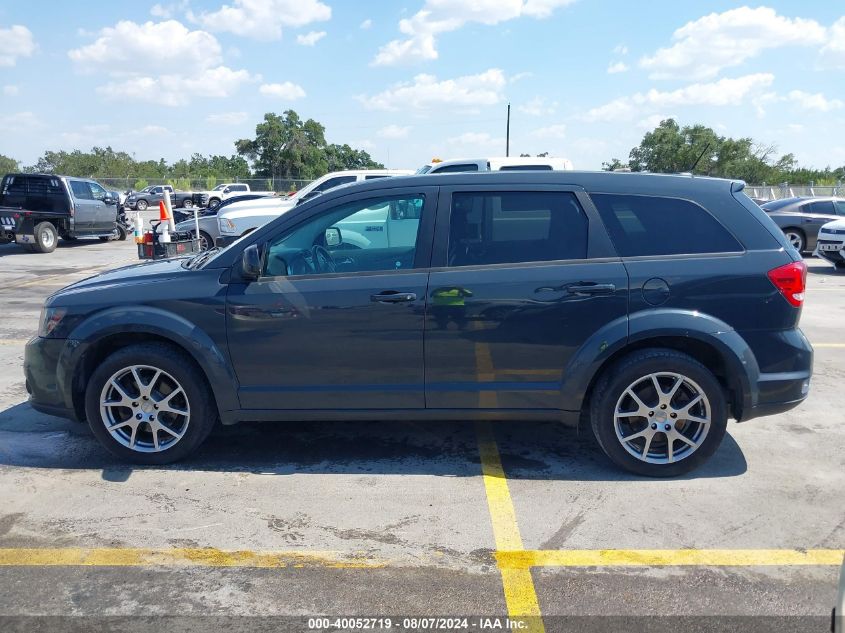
513 227
651 225
32 185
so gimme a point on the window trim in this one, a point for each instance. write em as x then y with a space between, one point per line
673 255
599 245
287 222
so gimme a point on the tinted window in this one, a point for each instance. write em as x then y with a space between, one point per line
331 183
498 228
81 191
97 191
237 188
375 234
448 169
646 225
824 207
840 207
374 177
525 168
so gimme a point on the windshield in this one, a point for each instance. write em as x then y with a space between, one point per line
424 169
219 188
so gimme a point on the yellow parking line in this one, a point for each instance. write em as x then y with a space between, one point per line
202 557
828 345
525 559
14 341
520 595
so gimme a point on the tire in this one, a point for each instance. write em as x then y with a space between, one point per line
206 242
187 203
633 375
121 233
142 205
213 202
177 434
797 238
46 238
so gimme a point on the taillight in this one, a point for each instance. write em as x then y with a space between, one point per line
791 280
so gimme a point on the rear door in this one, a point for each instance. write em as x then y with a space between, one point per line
524 276
814 216
85 205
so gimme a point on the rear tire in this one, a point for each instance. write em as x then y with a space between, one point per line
46 238
155 381
672 436
187 203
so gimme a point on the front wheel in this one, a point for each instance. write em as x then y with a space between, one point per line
142 205
796 238
213 203
659 413
149 404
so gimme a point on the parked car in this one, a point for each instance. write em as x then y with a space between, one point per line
151 196
248 216
655 306
37 209
502 163
208 219
229 190
831 243
801 218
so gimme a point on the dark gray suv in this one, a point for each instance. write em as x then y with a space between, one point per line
655 306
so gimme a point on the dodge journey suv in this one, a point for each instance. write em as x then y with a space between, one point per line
653 307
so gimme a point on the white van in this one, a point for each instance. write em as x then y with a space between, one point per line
502 163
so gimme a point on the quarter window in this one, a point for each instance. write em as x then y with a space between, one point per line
376 234
650 225
512 227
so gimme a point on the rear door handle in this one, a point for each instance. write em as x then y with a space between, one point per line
589 289
392 296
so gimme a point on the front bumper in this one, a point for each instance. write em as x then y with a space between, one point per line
40 367
837 242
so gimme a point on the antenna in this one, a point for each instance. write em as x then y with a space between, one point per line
700 156
508 133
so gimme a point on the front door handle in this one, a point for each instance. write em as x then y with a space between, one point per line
392 296
590 289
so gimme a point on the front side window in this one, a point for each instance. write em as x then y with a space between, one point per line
824 207
376 234
331 183
80 189
97 191
513 227
651 225
454 169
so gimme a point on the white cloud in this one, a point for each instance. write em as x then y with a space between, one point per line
264 19
617 67
16 41
817 101
366 24
20 122
227 118
725 92
394 131
443 16
477 140
310 38
426 92
11 91
621 49
651 122
557 131
833 52
150 48
167 11
537 107
717 41
163 62
286 90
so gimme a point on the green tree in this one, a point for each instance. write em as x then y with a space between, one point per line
8 165
613 164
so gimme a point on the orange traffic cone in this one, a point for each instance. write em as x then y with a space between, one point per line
162 212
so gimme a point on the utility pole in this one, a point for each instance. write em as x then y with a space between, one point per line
508 133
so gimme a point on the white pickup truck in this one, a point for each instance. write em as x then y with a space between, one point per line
502 163
243 217
227 190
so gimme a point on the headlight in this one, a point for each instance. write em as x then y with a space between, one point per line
50 319
227 226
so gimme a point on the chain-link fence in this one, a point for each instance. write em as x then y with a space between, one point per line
786 190
126 183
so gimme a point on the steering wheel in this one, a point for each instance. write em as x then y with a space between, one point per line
323 260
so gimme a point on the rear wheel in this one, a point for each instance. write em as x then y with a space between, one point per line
796 238
659 413
46 238
149 404
187 203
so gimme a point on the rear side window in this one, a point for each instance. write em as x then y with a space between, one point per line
840 207
512 227
331 183
452 169
825 207
650 225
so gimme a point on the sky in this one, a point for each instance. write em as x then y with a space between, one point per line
410 80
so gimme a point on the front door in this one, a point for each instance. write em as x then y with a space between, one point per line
525 278
104 214
336 320
85 206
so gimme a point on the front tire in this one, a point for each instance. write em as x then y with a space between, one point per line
796 238
142 205
149 404
212 204
658 413
46 238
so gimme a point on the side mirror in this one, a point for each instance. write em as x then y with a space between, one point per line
251 262
108 199
333 237
226 190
